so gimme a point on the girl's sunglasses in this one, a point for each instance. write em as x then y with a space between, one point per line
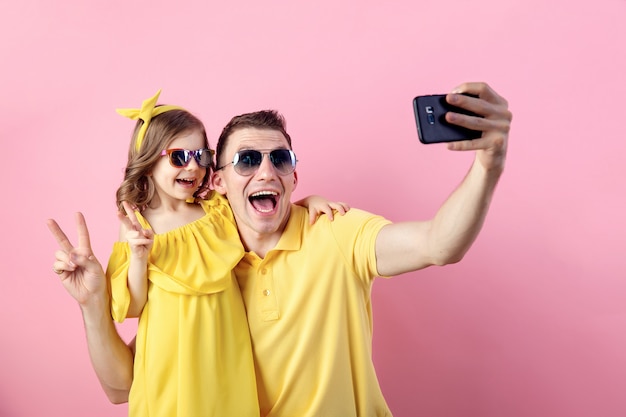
246 162
180 158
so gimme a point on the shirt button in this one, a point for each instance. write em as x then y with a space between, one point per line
266 292
263 271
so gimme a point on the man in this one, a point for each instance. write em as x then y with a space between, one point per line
307 287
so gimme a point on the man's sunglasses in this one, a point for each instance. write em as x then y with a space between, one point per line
246 162
180 158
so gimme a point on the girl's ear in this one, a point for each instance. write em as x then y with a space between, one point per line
295 180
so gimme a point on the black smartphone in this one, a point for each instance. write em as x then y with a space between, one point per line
432 127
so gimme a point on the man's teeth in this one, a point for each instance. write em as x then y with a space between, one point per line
262 193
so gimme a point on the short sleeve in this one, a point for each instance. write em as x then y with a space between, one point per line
117 274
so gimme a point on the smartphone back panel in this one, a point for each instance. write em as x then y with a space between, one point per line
430 111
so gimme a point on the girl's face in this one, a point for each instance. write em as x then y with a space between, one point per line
176 184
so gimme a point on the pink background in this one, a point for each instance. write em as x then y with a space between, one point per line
531 323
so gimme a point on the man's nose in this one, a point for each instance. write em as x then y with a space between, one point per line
267 167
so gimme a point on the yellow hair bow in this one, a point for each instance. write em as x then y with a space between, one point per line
146 113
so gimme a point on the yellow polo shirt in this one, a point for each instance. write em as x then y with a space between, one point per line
309 312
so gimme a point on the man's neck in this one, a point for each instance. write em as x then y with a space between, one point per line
260 243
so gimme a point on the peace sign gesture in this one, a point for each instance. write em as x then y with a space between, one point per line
79 270
139 239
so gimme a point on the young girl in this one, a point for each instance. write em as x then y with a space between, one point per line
172 268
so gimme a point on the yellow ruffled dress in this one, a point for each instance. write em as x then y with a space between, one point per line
194 355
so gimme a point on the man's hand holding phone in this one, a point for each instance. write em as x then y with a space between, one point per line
472 117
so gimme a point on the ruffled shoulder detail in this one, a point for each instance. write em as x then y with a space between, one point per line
198 258
117 274
219 203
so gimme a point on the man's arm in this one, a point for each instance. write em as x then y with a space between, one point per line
84 279
111 358
409 246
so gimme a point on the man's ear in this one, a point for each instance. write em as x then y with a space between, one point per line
217 182
295 180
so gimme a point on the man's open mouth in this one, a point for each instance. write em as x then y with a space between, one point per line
264 201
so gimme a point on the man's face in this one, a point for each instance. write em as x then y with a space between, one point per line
260 201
